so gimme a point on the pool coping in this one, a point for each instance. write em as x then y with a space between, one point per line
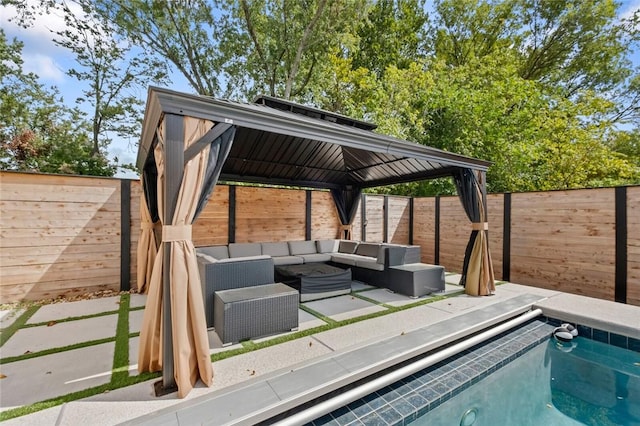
268 396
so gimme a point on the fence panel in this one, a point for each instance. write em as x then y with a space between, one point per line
324 216
59 236
269 214
565 240
398 226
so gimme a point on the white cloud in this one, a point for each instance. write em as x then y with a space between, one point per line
44 67
628 8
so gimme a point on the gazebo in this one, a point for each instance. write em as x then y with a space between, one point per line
189 142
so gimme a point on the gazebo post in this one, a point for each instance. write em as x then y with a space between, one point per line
174 169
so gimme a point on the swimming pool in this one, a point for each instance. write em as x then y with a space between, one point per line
521 377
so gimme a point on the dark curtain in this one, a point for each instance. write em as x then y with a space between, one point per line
346 200
150 184
466 184
218 153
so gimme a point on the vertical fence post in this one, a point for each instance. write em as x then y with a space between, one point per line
385 219
411 221
307 231
125 234
436 255
621 245
363 213
232 214
506 238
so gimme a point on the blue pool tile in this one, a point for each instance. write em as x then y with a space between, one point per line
429 394
374 400
634 344
388 394
618 340
416 400
403 407
359 408
343 416
390 415
600 336
585 331
373 419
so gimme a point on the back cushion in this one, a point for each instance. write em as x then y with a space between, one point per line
302 247
217 252
347 247
368 249
245 249
327 246
275 249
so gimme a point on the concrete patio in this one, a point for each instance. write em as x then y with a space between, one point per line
59 372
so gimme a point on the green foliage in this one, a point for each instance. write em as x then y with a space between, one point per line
39 133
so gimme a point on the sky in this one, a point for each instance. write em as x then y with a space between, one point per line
50 62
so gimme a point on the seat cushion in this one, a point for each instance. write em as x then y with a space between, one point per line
316 257
344 258
370 264
245 249
244 259
287 260
275 249
302 247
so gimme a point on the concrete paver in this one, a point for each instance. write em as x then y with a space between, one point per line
45 377
8 317
382 295
58 311
343 307
135 320
137 300
35 339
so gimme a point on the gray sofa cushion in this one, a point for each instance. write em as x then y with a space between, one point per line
347 247
316 257
344 258
288 260
302 247
369 264
368 249
244 259
327 246
217 252
206 257
275 249
245 249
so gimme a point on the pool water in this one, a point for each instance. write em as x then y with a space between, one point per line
585 382
522 377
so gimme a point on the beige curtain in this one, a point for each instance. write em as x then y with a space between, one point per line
147 247
190 341
480 278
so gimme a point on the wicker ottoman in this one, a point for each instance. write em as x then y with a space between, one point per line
257 311
416 279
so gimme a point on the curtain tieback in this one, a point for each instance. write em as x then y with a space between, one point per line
345 231
176 233
146 226
480 226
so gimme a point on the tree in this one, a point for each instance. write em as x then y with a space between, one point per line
183 32
38 132
393 33
111 71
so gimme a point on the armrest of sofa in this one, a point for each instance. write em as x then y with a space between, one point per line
233 273
394 256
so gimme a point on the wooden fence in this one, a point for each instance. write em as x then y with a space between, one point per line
68 235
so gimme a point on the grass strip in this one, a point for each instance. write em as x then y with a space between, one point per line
121 352
85 393
20 322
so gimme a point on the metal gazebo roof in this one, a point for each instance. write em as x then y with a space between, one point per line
276 144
